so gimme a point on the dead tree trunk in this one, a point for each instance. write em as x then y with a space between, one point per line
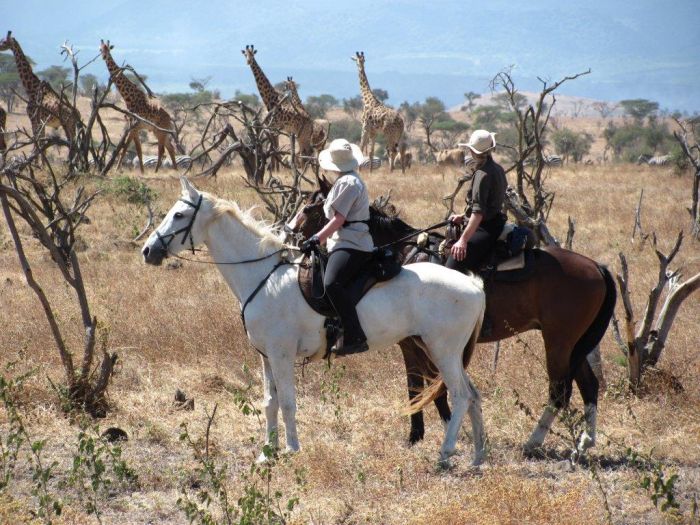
691 151
531 201
38 202
643 347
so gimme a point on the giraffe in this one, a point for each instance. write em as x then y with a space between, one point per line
44 106
3 123
137 102
286 117
319 136
376 117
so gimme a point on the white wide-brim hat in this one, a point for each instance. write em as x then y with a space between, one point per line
481 141
340 156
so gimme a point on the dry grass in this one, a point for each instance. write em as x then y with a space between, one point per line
181 329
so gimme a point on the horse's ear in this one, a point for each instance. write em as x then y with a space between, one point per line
324 185
189 189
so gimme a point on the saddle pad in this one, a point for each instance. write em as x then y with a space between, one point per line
514 263
306 285
357 288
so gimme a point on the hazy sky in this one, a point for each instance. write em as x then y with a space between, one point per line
414 49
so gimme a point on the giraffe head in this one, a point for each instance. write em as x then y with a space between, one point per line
249 53
359 58
6 42
105 48
290 84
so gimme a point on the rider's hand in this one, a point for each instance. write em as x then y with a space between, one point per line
310 244
459 250
456 219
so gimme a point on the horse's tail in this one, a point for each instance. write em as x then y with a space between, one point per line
592 336
436 387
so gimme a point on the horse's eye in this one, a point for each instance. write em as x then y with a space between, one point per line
179 215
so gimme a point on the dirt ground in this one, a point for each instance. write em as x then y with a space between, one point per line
180 328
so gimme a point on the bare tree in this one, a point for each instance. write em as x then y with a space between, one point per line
643 348
531 201
604 109
691 152
39 201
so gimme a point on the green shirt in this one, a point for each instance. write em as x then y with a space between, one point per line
488 190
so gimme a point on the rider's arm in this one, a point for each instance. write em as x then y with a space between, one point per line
474 221
329 229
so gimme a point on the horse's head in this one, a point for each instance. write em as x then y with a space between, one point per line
310 219
182 227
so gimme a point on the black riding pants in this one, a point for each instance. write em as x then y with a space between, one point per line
480 246
343 266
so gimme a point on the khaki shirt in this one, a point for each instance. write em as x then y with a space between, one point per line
349 197
488 190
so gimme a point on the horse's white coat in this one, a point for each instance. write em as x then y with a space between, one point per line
442 306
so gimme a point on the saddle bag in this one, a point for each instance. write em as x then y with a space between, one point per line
511 242
384 264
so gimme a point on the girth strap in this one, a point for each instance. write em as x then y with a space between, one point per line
259 287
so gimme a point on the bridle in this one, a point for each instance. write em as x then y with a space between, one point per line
165 240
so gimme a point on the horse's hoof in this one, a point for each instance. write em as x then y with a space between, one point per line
445 460
533 451
444 464
585 442
414 438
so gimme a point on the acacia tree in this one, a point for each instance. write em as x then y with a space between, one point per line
429 113
639 108
471 96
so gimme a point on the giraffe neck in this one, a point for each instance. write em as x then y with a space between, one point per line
267 92
368 98
31 83
127 89
294 98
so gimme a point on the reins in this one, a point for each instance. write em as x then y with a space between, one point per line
418 232
165 241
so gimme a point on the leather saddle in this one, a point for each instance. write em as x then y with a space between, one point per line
512 259
381 267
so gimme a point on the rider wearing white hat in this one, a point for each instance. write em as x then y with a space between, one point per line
485 205
349 241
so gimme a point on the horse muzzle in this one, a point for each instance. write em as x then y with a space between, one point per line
153 255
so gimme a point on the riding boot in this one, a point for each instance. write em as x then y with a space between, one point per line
353 339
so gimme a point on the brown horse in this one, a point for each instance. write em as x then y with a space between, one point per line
569 298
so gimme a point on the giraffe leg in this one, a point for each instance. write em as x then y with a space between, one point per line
371 154
364 139
137 147
37 131
171 150
161 151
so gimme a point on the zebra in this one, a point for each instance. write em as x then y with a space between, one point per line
376 163
553 160
659 161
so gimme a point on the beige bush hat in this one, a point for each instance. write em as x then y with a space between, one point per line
340 156
481 141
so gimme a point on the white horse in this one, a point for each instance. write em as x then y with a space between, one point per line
442 307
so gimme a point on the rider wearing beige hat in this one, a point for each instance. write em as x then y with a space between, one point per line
484 214
348 239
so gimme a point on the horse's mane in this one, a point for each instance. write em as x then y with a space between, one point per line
269 237
388 222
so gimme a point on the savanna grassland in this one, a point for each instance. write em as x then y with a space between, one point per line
179 328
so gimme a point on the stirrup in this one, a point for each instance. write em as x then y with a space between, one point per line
339 348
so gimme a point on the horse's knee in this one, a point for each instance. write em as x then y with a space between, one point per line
560 393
